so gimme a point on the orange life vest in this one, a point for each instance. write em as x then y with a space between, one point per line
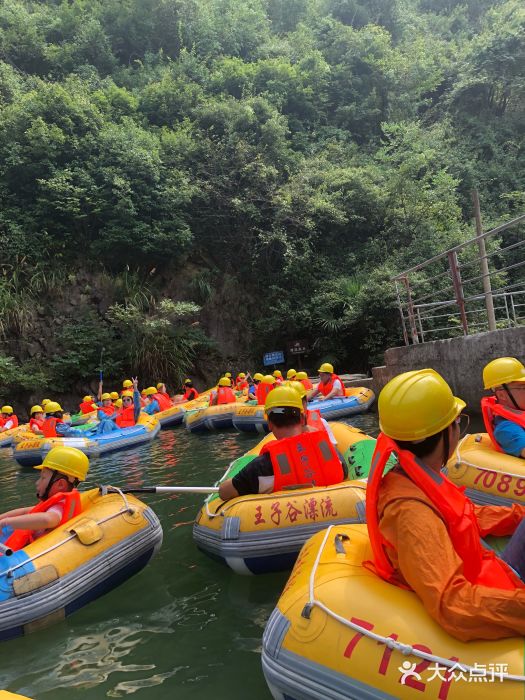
163 400
49 426
225 395
480 565
36 423
72 507
126 417
86 407
190 394
491 408
2 422
262 392
108 410
241 384
325 389
13 419
314 420
307 384
308 458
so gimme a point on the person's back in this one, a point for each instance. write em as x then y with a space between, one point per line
87 405
265 386
425 533
504 413
61 471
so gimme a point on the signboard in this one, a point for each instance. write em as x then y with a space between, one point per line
298 347
273 358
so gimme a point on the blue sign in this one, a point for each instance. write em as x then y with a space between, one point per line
273 358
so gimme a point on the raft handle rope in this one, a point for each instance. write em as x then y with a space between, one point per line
405 649
122 511
460 460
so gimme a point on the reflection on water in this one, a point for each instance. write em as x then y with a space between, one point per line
185 627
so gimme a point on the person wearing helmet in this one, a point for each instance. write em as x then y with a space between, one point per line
113 395
88 404
36 419
8 419
190 393
54 424
278 376
125 416
127 385
303 378
252 386
106 406
295 458
504 413
241 382
330 386
312 419
264 387
291 375
223 393
61 471
155 402
425 533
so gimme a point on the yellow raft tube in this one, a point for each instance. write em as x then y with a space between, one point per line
490 477
262 533
113 538
206 418
339 631
175 415
7 436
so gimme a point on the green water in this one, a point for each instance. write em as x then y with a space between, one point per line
185 626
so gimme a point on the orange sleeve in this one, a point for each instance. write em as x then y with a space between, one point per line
427 561
499 520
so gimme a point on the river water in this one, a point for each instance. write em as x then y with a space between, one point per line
185 626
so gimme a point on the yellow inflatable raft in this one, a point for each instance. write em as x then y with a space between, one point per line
113 538
490 477
340 632
261 533
7 436
212 417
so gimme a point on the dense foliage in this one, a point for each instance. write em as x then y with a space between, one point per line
308 148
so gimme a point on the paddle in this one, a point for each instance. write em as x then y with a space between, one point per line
162 489
7 551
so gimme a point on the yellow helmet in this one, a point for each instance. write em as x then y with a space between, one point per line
283 397
241 375
228 375
127 393
149 391
52 407
224 381
277 373
258 377
298 387
291 374
160 385
44 401
503 371
6 409
301 375
268 379
127 383
113 395
106 396
326 367
36 409
66 460
118 403
87 397
417 404
188 381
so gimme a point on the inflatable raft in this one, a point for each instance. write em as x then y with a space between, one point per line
359 399
113 538
261 533
30 452
490 477
339 631
210 417
175 415
7 436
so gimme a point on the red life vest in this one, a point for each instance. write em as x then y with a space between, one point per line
225 395
308 458
2 422
72 507
314 420
491 408
190 394
262 392
126 417
241 384
307 384
163 400
108 410
480 566
36 423
13 419
49 426
325 389
86 407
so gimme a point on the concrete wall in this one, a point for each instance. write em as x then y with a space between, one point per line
459 360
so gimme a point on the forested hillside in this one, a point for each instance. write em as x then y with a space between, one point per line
185 182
